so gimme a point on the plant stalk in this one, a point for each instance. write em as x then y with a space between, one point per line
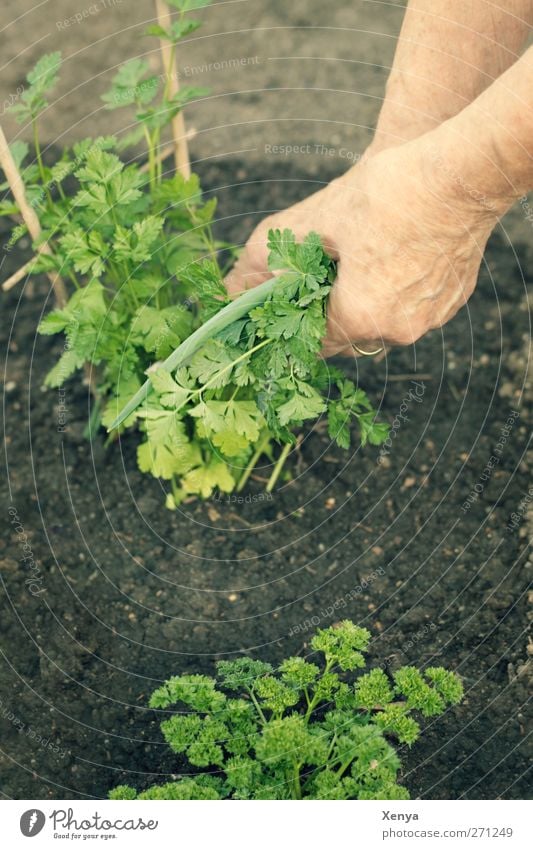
257 706
261 445
278 467
295 781
316 699
40 164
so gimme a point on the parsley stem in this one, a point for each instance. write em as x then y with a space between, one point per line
295 781
174 487
332 745
278 467
261 445
257 706
39 158
317 696
344 766
151 158
73 278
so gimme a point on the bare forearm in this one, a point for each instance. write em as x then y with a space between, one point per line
448 52
488 148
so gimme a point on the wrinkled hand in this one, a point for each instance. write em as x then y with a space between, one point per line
408 235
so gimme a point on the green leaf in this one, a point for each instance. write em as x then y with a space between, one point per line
306 258
447 684
373 690
99 167
85 251
197 691
152 329
168 451
158 116
123 792
213 364
124 188
304 404
241 673
343 644
298 672
180 29
183 790
338 425
42 78
64 368
170 392
243 417
81 320
131 86
54 322
288 741
419 695
275 695
159 32
371 431
134 245
45 73
394 720
205 479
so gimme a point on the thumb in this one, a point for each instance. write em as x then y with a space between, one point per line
251 268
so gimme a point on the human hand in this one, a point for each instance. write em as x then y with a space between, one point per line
408 236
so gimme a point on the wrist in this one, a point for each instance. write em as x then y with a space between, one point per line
408 112
456 171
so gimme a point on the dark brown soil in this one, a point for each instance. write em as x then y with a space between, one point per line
117 593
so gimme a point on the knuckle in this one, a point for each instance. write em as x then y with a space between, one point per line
405 335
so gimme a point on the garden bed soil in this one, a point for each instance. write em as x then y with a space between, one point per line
116 593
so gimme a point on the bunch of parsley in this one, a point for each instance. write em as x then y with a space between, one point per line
146 271
304 731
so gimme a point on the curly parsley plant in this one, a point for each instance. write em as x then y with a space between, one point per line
307 730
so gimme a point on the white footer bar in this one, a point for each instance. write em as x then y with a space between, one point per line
267 825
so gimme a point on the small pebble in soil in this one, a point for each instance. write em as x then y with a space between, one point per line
506 390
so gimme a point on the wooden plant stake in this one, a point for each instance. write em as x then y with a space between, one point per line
29 216
181 151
